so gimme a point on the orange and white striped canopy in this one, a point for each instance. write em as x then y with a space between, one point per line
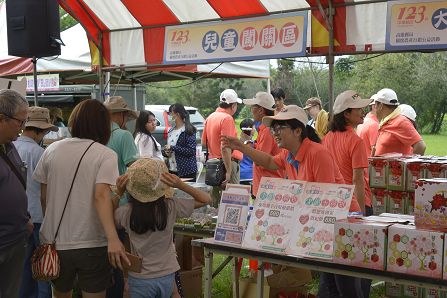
132 32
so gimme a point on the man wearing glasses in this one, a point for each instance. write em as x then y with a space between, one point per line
15 224
37 126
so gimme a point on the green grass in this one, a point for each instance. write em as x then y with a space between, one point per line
436 144
222 284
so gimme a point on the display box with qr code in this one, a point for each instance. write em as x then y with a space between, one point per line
232 219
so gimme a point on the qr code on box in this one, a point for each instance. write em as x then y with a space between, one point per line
232 215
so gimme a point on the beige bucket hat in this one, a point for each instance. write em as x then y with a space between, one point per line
116 104
144 180
289 112
40 117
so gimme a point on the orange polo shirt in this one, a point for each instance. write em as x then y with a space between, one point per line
349 153
315 164
267 144
220 123
397 135
369 131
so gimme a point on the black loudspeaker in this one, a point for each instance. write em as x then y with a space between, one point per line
33 28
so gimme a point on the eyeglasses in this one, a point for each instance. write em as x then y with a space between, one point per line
22 122
274 130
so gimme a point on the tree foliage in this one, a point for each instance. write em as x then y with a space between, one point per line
66 20
419 80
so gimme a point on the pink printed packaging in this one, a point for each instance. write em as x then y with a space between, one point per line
360 243
415 251
430 209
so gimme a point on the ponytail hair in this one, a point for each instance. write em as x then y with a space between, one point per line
180 109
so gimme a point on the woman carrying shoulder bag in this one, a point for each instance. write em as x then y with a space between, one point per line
75 176
181 147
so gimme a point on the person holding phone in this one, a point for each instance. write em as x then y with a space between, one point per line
149 220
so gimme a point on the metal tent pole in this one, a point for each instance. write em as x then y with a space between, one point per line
328 15
36 103
100 74
330 56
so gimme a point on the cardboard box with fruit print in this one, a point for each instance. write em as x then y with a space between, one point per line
430 207
377 172
436 169
415 171
415 251
379 200
396 176
361 243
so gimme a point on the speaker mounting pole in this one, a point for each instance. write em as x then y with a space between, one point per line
35 80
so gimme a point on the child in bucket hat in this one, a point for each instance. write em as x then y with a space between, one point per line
149 220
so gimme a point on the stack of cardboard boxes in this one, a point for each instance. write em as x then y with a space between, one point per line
396 242
392 179
191 260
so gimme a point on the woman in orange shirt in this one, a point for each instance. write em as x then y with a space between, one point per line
349 153
307 160
304 158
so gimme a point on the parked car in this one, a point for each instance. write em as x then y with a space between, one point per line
163 125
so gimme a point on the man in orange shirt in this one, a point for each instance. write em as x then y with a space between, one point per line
369 130
262 105
396 133
221 123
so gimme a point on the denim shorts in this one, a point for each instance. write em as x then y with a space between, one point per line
160 287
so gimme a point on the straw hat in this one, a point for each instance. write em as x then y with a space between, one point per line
144 180
40 117
116 104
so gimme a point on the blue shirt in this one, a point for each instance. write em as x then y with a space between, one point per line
30 153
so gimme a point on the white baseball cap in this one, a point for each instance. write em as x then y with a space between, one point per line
229 96
287 113
262 99
349 99
387 96
373 99
408 111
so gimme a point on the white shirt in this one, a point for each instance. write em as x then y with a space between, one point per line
146 146
80 226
